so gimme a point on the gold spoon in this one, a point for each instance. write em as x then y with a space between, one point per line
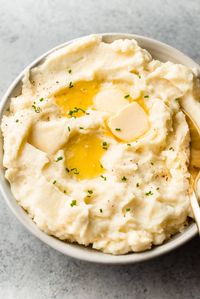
194 166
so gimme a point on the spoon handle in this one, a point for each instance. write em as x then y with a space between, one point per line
195 209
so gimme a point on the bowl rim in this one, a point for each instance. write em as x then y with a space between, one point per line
75 250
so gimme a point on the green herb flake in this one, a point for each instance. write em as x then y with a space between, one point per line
73 203
101 165
81 128
101 211
157 188
152 163
117 129
69 129
128 210
146 96
54 182
65 191
36 108
75 110
90 191
171 148
103 177
149 193
128 144
124 179
17 120
70 112
177 99
139 76
137 185
69 71
67 169
71 85
127 96
59 159
41 99
74 170
105 145
80 109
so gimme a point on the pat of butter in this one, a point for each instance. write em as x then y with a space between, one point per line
48 136
130 123
110 99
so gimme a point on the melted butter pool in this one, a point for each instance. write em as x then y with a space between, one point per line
77 98
83 156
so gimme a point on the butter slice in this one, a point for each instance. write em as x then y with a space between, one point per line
130 123
110 99
48 137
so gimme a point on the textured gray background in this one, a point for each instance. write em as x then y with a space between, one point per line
28 268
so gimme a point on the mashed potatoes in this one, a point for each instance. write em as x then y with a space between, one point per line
96 147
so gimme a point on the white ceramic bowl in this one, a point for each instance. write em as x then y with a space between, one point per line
159 51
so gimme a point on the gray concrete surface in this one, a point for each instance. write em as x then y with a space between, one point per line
30 269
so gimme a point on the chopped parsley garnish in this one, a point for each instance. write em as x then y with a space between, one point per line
71 112
101 211
104 177
128 210
80 109
59 159
69 129
54 182
157 188
71 85
17 120
171 148
36 108
139 76
149 193
74 170
69 71
75 110
128 144
124 179
90 191
117 129
177 99
81 128
152 163
105 145
137 185
127 96
73 203
101 165
41 99
65 191
146 96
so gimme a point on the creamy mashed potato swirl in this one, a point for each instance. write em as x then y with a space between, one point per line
96 147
